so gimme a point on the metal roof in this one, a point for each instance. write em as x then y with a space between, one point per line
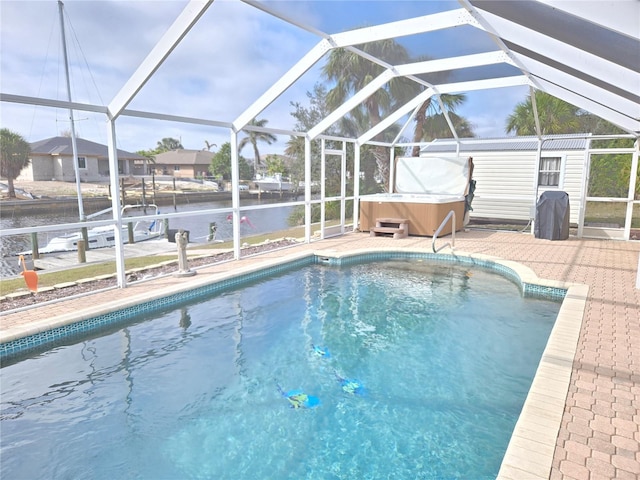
508 144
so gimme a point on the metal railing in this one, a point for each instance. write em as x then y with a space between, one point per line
451 214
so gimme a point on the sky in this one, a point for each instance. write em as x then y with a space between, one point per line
224 64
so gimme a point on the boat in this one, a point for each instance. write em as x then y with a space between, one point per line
101 237
273 183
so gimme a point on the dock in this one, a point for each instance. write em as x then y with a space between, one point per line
63 260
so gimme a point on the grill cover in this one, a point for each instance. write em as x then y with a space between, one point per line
552 216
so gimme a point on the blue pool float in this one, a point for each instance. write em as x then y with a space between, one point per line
351 386
321 351
299 399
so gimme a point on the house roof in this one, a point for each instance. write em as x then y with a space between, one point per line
185 157
62 146
508 144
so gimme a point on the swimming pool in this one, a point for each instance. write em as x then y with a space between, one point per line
192 392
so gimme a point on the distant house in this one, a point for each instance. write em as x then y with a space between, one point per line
52 159
183 163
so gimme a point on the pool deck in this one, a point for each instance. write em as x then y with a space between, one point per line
594 417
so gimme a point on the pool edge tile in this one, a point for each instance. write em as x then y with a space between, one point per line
529 425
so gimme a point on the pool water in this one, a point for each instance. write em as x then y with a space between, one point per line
445 355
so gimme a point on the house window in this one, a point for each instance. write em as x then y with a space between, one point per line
176 168
550 168
82 163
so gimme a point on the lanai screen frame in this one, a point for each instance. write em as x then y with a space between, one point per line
573 68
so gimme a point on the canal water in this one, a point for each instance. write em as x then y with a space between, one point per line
255 222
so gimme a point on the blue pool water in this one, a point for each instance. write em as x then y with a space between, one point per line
445 354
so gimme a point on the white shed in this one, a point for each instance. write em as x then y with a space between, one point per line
509 177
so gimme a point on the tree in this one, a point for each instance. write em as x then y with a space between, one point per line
208 145
275 165
14 156
350 72
220 166
149 157
168 144
431 122
306 118
431 107
436 126
555 116
254 137
165 145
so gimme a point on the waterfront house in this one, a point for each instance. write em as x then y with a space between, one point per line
183 163
52 159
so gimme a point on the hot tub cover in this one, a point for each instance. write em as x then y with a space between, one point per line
432 175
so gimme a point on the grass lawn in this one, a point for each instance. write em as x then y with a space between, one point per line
108 268
610 213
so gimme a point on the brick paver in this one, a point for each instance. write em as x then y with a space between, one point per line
599 435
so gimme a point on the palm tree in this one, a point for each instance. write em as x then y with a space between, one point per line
351 72
431 123
168 145
14 156
254 137
436 126
555 115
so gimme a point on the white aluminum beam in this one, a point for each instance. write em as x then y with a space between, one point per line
277 14
630 125
562 53
395 116
174 118
172 37
411 26
407 70
622 16
350 104
453 63
46 102
295 72
592 92
481 23
405 126
442 89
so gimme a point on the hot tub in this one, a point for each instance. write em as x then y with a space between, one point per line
425 212
424 192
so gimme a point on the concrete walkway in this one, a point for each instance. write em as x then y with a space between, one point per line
599 436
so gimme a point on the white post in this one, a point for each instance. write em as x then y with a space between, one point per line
115 202
235 194
323 187
638 274
307 189
356 186
632 190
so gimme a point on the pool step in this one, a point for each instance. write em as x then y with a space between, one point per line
398 227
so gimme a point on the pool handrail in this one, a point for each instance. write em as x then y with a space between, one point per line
452 213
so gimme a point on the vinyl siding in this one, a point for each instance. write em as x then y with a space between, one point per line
506 181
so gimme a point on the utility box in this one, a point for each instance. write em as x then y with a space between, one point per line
552 216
